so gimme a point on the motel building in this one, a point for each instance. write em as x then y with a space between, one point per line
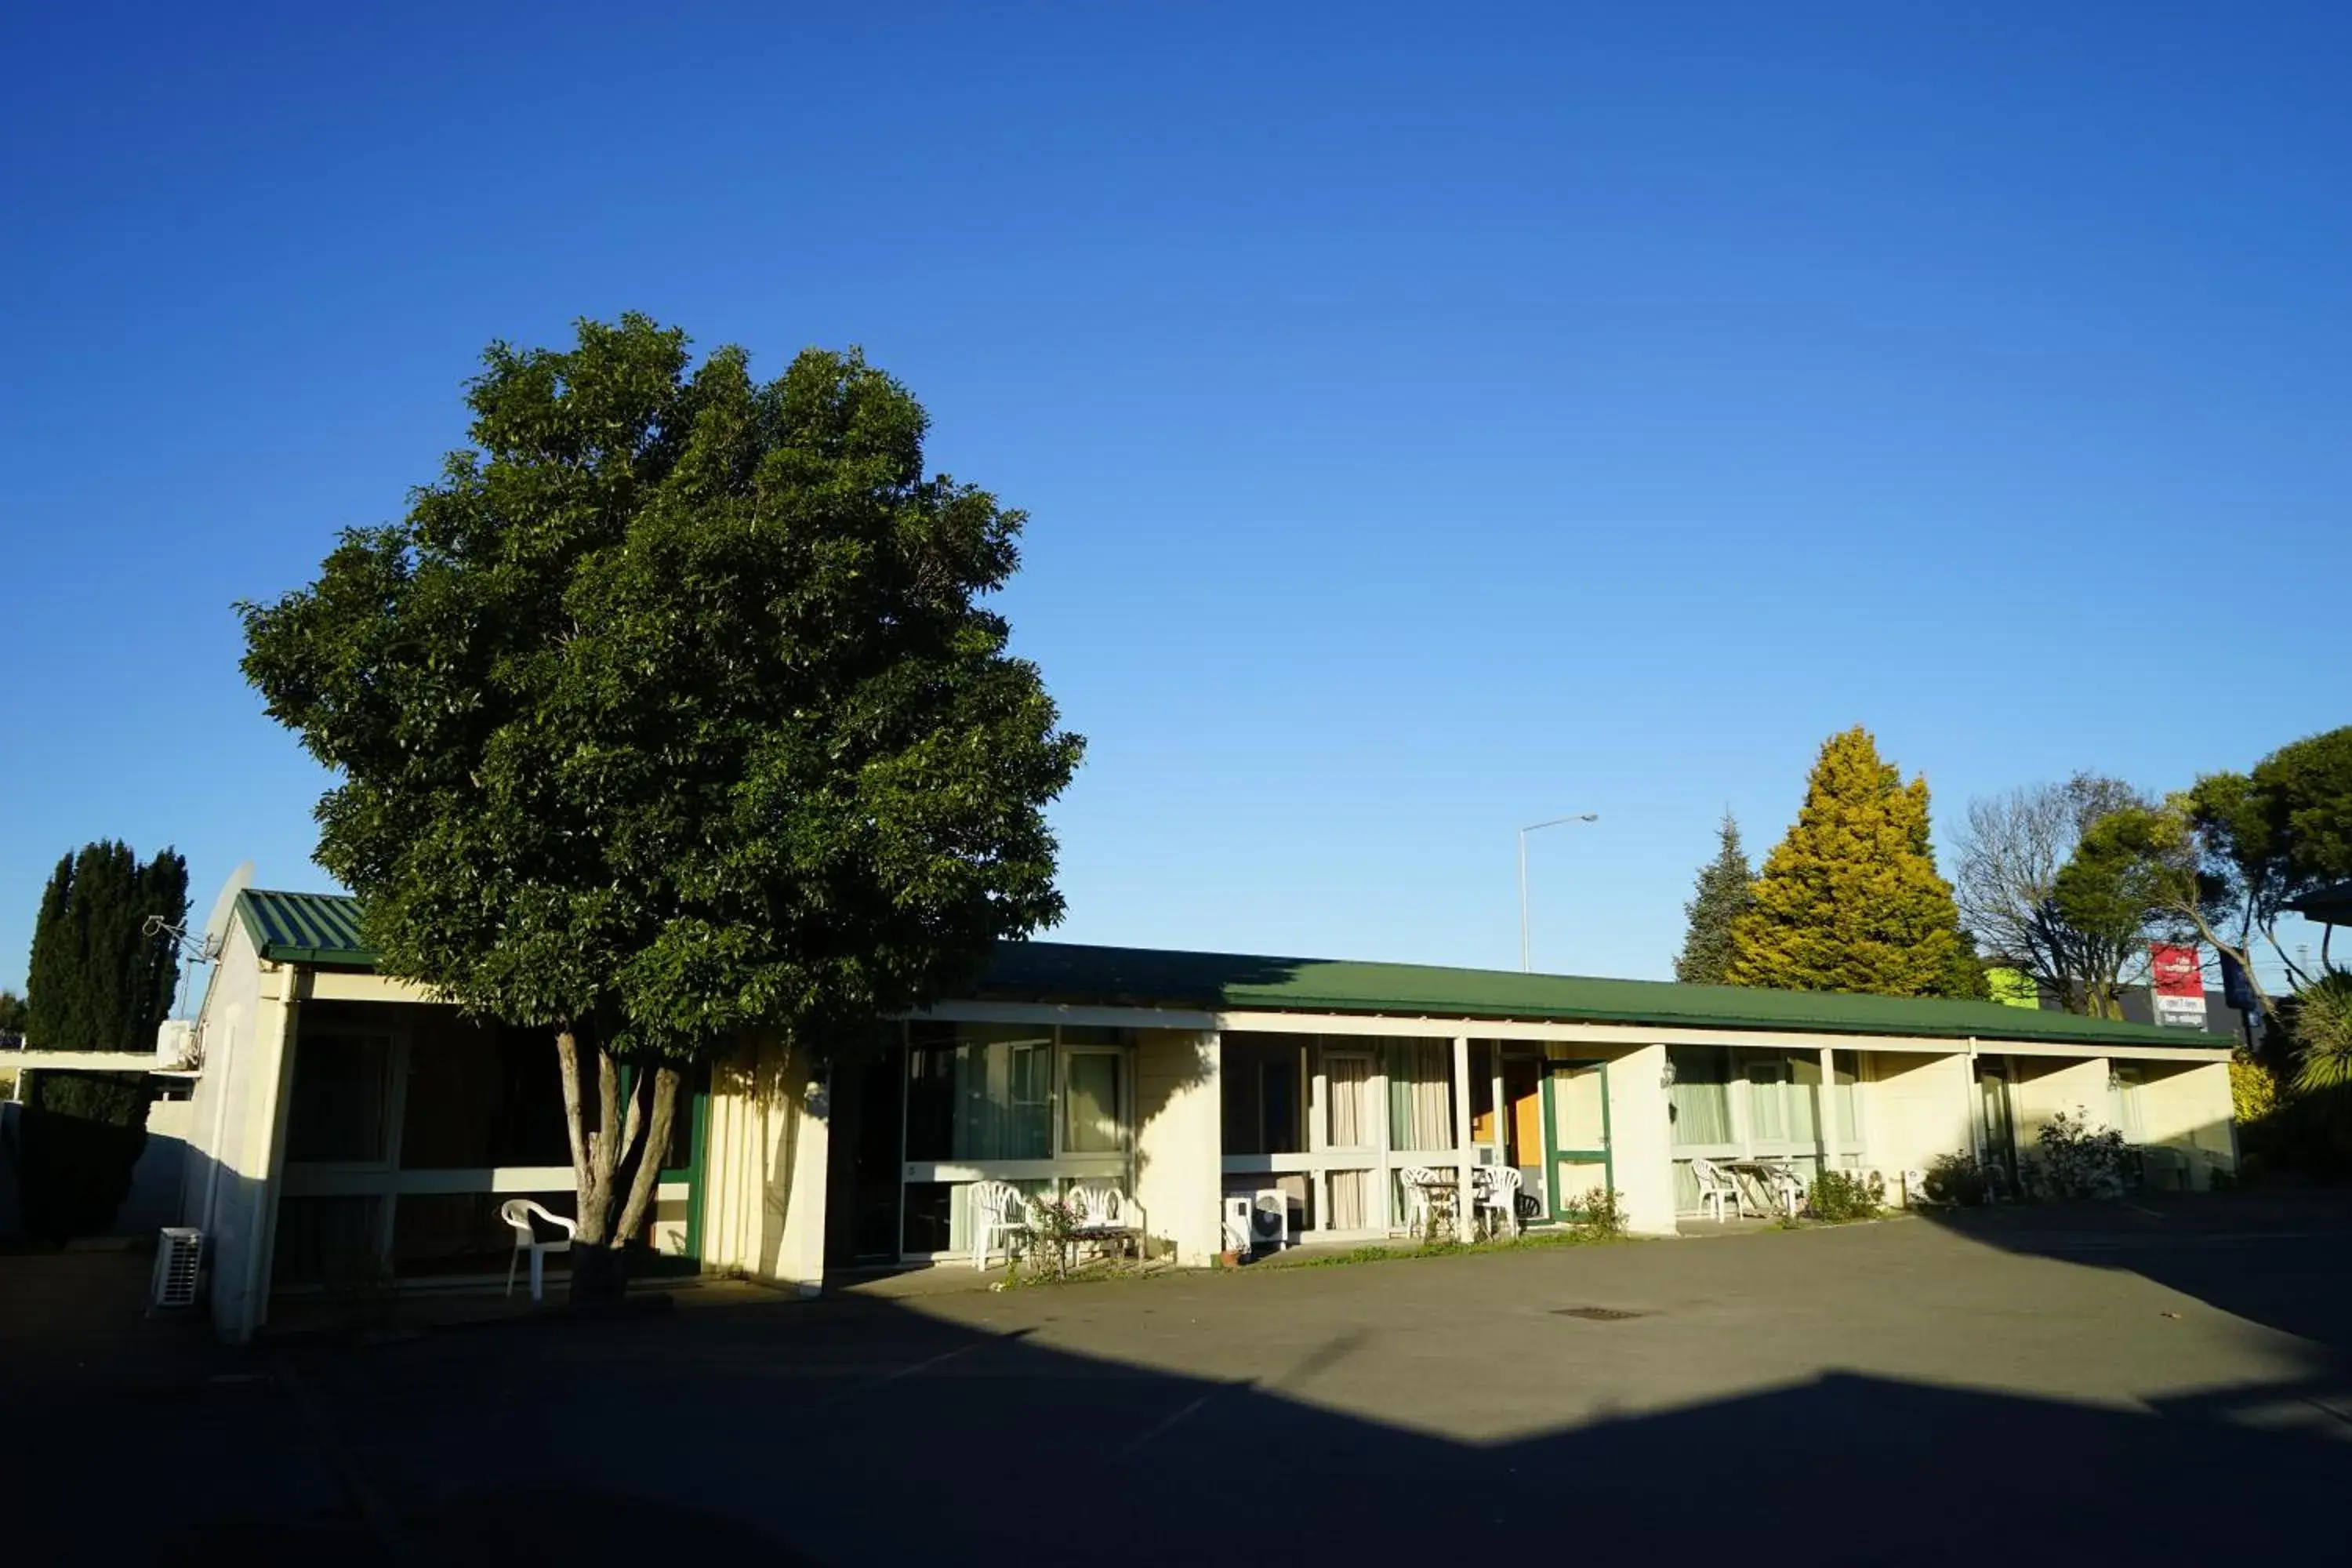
348 1129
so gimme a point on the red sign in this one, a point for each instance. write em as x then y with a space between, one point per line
2177 971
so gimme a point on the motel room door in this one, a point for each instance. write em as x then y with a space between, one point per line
1576 1124
1524 1142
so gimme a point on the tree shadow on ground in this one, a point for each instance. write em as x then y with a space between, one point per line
2283 1259
856 1431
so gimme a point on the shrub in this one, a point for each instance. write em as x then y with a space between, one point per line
1837 1197
1599 1216
1957 1179
1052 1243
2077 1162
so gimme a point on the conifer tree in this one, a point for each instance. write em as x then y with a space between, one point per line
99 980
1850 901
1722 896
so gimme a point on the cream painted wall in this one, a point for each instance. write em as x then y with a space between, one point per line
1180 1139
764 1175
1641 1138
2047 1086
2188 1108
236 1133
1914 1107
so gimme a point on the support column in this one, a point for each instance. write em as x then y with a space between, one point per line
1825 1111
1463 1150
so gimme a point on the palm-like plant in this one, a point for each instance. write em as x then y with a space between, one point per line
2324 1026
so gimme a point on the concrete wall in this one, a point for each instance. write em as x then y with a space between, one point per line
1641 1135
2047 1086
764 1175
1914 1107
156 1180
1180 1139
236 1133
2188 1108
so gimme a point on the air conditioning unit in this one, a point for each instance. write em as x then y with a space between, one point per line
1270 1219
1237 1225
177 1257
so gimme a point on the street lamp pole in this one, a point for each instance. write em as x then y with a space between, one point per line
1530 828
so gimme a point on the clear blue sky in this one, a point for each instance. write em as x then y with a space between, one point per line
1431 419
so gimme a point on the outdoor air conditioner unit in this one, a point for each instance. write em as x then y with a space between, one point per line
1270 1219
1237 1225
178 1256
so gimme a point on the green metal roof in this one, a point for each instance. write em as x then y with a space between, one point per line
323 928
305 928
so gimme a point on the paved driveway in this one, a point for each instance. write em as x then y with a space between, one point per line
2016 1387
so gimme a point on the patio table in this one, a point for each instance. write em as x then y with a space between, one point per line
1758 1185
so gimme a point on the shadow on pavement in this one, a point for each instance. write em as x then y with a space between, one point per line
2280 1259
863 1432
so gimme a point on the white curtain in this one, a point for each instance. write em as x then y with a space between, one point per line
1420 1094
1349 1081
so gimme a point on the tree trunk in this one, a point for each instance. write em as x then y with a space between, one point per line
649 1153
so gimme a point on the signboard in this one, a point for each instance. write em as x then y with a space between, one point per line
2179 984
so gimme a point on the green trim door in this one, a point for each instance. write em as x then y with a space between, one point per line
1575 1114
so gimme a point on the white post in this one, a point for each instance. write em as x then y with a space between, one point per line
1462 1148
1319 1127
1825 1112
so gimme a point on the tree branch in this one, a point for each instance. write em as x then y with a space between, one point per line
647 1175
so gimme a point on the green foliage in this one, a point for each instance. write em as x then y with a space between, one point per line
99 980
1722 897
81 1134
2077 1160
1599 1216
1839 1197
1850 901
2323 1029
12 1018
1049 1249
1957 1179
672 709
2012 852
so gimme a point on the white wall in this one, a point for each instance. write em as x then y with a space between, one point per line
1180 1139
1641 1139
235 1140
1914 1107
2188 1108
764 1174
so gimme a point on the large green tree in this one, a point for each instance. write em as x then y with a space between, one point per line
1721 896
1851 901
104 967
670 713
2010 854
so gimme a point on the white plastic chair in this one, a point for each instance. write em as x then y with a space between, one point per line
1715 1190
1105 1213
519 1213
998 1213
1495 1189
1787 1189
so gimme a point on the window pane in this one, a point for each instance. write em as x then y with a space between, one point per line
334 1242
340 1084
481 1097
1579 1118
1420 1094
1282 1104
1092 1127
1348 1081
988 1096
1700 1101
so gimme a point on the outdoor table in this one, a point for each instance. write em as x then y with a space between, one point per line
1757 1181
1441 1202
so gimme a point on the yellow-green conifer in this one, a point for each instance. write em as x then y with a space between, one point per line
1850 899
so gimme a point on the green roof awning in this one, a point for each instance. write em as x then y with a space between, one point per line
323 929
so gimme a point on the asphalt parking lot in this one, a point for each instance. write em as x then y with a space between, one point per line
2024 1385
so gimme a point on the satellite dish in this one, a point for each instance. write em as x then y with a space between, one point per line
216 927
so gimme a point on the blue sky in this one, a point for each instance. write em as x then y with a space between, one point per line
1431 419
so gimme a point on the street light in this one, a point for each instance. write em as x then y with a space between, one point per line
1531 828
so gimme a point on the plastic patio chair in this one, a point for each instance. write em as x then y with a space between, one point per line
519 1214
1716 1190
1105 1213
997 1217
1495 1189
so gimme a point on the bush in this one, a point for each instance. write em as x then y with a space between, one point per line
81 1134
1599 1216
2077 1162
1837 1197
1957 1179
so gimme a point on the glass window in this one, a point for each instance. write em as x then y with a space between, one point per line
1092 1126
1579 1114
1420 1094
341 1097
1700 1101
983 1092
480 1097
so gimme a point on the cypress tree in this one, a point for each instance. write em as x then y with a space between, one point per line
1850 901
1722 896
97 979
